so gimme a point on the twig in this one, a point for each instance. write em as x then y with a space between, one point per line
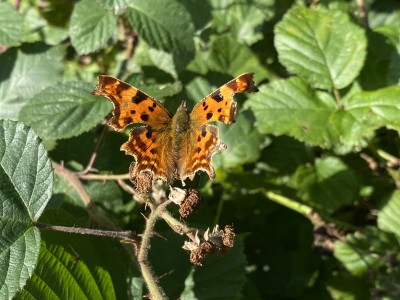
104 176
155 290
338 98
363 12
123 235
94 154
73 179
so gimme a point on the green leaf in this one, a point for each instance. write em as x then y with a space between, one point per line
91 26
219 278
26 179
230 57
117 6
319 46
64 110
327 186
291 107
11 25
244 143
25 71
375 109
243 19
165 25
389 215
366 250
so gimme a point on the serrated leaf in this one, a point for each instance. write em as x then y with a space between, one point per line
243 19
230 57
25 71
117 6
366 250
165 25
26 179
244 143
71 265
292 107
376 108
91 26
324 47
11 25
389 215
65 110
327 186
219 278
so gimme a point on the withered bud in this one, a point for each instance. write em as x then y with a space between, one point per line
208 242
142 181
177 195
190 203
229 236
198 255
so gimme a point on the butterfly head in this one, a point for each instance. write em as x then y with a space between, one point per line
180 121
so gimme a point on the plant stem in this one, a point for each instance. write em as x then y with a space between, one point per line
155 290
123 235
94 154
305 210
73 179
104 176
363 12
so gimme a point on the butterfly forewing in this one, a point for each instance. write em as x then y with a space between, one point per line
131 105
219 105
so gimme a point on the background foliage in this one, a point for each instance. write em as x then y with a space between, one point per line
310 178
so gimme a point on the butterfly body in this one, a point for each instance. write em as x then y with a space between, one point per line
172 146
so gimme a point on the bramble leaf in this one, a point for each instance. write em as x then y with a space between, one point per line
64 110
319 46
26 179
91 26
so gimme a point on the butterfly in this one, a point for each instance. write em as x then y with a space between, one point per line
172 146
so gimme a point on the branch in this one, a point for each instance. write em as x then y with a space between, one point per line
362 11
151 281
94 154
73 179
104 176
123 235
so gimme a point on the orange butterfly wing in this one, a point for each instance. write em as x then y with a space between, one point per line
219 105
203 141
151 152
131 105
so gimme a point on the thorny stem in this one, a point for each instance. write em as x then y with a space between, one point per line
123 235
151 281
179 227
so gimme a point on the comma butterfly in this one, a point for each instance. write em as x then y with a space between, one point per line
172 146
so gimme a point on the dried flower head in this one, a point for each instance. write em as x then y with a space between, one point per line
215 241
189 203
143 181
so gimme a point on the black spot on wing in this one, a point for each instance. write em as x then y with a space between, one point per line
149 133
217 96
139 97
209 116
144 117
